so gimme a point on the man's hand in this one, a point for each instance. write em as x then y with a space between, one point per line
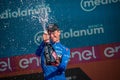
57 62
46 37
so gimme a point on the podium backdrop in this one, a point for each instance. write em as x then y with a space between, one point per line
90 28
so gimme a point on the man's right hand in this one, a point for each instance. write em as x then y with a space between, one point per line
46 37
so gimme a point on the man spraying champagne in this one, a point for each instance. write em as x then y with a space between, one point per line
54 56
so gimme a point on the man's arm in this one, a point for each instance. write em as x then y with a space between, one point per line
64 61
45 40
40 48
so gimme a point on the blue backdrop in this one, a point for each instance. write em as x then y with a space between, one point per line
82 23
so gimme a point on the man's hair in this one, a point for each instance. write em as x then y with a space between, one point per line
52 27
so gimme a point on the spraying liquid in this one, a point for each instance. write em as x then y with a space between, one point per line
43 19
43 16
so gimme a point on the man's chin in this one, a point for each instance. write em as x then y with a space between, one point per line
54 41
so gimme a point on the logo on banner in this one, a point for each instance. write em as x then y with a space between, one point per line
90 5
71 33
38 37
87 5
9 13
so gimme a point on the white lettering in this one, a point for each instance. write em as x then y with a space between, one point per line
66 35
76 53
110 51
24 63
15 14
35 59
91 30
4 15
26 12
9 67
90 5
85 54
77 33
5 65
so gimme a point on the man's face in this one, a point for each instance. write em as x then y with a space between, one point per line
55 36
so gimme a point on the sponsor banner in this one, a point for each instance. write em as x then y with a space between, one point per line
95 53
92 24
27 64
91 5
19 65
87 22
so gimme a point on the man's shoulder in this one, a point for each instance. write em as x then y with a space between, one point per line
65 48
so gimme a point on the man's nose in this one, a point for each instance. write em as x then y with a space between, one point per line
51 35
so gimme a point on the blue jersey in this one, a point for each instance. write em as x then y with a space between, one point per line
54 72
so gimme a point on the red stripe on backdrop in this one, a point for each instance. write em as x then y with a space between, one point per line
27 64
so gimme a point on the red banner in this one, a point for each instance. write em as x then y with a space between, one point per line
27 64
